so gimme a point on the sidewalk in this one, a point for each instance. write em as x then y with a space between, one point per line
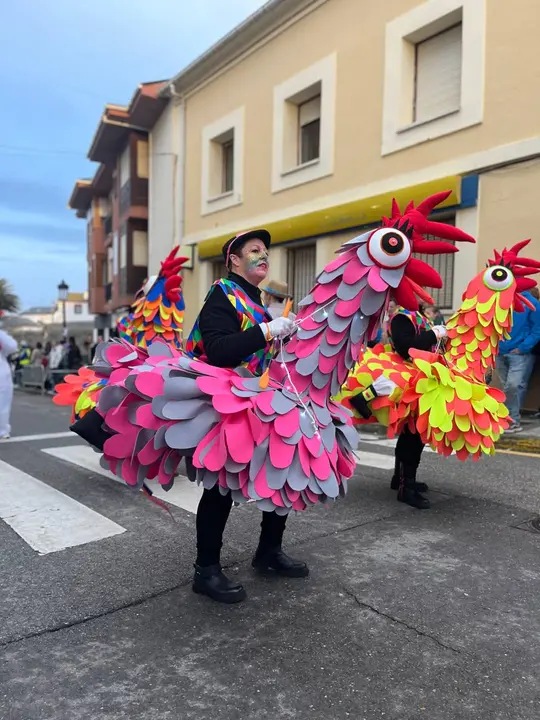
527 441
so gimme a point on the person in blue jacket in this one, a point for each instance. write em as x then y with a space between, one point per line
514 359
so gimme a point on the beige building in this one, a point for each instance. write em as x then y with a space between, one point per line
310 116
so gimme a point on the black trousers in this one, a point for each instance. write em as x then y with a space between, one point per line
408 453
212 515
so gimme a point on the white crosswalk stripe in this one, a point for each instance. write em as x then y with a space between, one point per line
183 494
47 519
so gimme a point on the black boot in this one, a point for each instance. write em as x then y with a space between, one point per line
213 582
274 560
419 486
407 492
394 483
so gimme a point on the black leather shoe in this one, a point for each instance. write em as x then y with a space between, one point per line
213 582
278 562
418 486
412 497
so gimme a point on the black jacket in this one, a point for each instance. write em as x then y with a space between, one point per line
225 344
405 336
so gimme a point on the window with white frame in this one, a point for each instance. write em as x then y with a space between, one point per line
434 72
77 309
222 163
304 120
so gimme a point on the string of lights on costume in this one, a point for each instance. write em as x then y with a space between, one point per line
286 444
442 395
156 314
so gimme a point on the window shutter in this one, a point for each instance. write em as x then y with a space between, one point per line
438 75
309 111
301 271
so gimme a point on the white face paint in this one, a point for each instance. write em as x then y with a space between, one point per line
253 262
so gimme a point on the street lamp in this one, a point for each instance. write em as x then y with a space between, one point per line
62 296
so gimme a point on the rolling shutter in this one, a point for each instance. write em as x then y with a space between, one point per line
300 271
438 75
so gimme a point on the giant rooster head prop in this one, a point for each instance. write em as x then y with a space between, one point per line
390 249
158 309
486 313
506 276
345 307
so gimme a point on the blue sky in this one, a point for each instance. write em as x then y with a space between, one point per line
61 62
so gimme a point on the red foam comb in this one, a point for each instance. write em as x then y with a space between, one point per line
415 222
171 265
520 267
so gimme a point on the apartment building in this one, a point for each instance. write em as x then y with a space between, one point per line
115 204
312 114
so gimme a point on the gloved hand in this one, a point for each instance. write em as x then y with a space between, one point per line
383 386
440 331
278 328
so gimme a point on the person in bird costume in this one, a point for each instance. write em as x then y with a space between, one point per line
157 313
442 398
254 418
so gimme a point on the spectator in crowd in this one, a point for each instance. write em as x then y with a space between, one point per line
21 361
36 357
8 346
384 336
534 352
434 314
275 296
74 358
94 347
514 359
56 355
87 345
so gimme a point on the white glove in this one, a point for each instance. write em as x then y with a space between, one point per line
440 331
279 328
383 386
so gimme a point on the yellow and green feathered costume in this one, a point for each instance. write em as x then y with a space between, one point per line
443 395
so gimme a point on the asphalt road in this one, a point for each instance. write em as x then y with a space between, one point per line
405 615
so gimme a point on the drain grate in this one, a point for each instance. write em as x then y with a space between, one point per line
532 525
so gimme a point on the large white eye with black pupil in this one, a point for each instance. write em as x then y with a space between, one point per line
389 247
498 278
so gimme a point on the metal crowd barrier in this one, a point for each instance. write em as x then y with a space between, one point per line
37 377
